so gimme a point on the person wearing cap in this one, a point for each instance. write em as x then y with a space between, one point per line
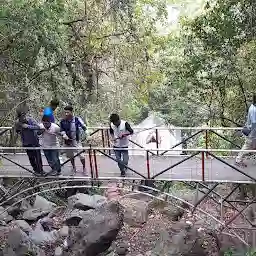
28 129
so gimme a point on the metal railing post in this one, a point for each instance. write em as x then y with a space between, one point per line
157 143
90 160
203 167
207 142
108 141
148 167
103 139
95 164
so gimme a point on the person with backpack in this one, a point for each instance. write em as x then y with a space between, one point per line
70 129
28 129
250 134
50 132
119 131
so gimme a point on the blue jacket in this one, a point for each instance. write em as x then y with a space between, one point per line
65 126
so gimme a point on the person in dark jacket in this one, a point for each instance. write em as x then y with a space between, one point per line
28 129
70 129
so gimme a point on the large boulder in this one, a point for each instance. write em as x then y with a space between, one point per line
135 211
44 204
96 231
23 225
41 237
19 244
186 241
85 202
41 208
72 217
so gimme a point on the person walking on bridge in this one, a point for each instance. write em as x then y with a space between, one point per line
50 132
70 130
28 129
120 131
250 133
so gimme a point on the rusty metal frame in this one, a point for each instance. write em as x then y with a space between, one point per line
57 184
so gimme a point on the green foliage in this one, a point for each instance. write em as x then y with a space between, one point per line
231 252
93 54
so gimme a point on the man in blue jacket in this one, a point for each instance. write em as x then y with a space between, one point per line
28 129
70 130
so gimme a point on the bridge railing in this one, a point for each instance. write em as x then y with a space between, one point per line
147 166
155 137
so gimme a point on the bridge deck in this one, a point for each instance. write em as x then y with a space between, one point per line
190 170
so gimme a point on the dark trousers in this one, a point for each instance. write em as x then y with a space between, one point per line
35 159
52 156
122 157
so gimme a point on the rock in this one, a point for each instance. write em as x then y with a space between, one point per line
72 217
21 244
23 225
47 223
57 211
174 213
40 237
4 216
34 214
112 192
64 231
96 231
44 204
85 202
58 251
25 205
122 249
14 211
186 242
135 211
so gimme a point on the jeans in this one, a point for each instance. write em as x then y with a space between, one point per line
52 156
122 157
35 158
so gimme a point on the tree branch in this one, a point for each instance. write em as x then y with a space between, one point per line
37 74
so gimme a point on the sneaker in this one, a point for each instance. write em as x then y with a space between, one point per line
73 171
241 164
122 173
85 172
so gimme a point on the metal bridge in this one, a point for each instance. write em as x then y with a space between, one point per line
203 160
197 162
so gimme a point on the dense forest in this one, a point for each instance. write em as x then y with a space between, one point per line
128 57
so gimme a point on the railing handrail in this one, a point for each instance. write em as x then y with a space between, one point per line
132 149
204 128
